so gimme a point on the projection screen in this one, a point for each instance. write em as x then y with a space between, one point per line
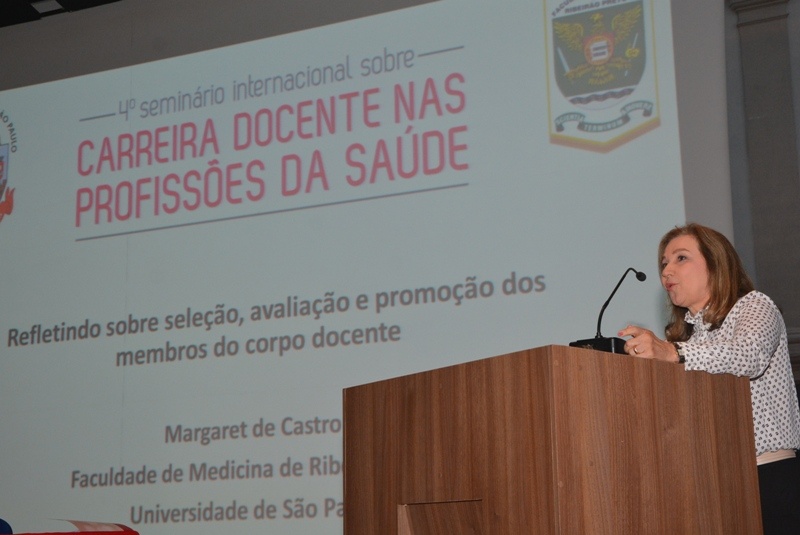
198 254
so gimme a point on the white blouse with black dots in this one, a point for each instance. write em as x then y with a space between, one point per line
752 342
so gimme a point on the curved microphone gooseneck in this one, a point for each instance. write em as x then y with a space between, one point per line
599 342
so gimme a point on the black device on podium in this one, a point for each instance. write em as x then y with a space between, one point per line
600 342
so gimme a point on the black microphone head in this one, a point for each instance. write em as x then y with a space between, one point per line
640 275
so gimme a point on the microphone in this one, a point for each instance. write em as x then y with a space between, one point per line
600 342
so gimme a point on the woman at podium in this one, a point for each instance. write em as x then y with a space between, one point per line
720 324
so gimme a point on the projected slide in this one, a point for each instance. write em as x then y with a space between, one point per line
198 254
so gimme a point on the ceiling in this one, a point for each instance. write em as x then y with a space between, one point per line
21 11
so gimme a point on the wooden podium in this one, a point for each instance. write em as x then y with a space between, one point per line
553 440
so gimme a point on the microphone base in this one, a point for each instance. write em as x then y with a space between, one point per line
609 345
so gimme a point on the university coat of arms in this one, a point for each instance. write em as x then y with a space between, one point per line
601 73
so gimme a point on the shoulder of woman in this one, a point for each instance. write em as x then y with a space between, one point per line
756 300
756 297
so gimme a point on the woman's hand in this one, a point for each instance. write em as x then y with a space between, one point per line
643 343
